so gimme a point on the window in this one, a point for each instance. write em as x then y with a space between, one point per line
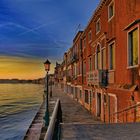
89 36
98 56
104 59
75 71
111 10
133 47
86 97
80 94
72 90
98 26
93 95
112 56
95 62
84 68
90 64
80 69
105 100
84 43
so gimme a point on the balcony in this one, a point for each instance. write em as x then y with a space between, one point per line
69 79
74 58
98 77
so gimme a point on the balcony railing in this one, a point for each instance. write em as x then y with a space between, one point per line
74 58
98 77
90 77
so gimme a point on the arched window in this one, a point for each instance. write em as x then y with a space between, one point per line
103 54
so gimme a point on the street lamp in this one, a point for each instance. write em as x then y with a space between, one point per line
50 86
47 68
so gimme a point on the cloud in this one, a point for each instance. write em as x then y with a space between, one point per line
13 25
33 29
40 28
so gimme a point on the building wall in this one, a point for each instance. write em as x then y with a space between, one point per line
105 42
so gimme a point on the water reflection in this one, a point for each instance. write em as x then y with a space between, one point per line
18 105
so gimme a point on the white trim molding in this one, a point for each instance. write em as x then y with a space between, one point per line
110 18
130 30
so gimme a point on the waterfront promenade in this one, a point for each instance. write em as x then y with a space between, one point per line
79 124
72 113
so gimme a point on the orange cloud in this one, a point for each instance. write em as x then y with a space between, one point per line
22 68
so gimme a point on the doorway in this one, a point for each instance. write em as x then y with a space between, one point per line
98 105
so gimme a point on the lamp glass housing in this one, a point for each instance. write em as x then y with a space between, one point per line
47 65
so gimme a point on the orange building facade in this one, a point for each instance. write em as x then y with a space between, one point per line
101 70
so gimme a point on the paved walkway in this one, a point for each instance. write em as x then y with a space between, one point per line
101 132
73 114
72 111
79 124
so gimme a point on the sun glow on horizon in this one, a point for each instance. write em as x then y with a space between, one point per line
22 68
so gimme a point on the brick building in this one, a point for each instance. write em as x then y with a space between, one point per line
103 63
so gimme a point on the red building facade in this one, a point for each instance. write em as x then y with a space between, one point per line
103 63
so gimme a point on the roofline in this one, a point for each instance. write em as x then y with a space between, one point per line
79 32
99 7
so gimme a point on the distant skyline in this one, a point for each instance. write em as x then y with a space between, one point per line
33 30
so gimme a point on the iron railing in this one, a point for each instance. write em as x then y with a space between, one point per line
53 131
129 114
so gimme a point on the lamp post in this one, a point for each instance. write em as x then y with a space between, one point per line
50 86
47 68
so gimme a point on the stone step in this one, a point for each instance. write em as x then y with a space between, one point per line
83 131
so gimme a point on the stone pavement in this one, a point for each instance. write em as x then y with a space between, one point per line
79 124
72 111
101 132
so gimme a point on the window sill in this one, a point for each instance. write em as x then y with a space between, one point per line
98 32
131 67
111 70
89 41
109 19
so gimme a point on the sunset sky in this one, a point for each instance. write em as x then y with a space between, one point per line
33 30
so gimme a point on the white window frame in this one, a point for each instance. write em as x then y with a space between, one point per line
90 64
98 21
89 36
75 70
102 49
128 66
113 42
84 68
112 2
94 61
96 64
84 43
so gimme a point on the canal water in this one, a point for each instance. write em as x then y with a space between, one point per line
18 106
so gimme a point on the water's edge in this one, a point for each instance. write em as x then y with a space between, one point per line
33 119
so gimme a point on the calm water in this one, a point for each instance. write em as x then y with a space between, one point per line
18 105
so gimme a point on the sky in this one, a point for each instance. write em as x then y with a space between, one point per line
33 30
